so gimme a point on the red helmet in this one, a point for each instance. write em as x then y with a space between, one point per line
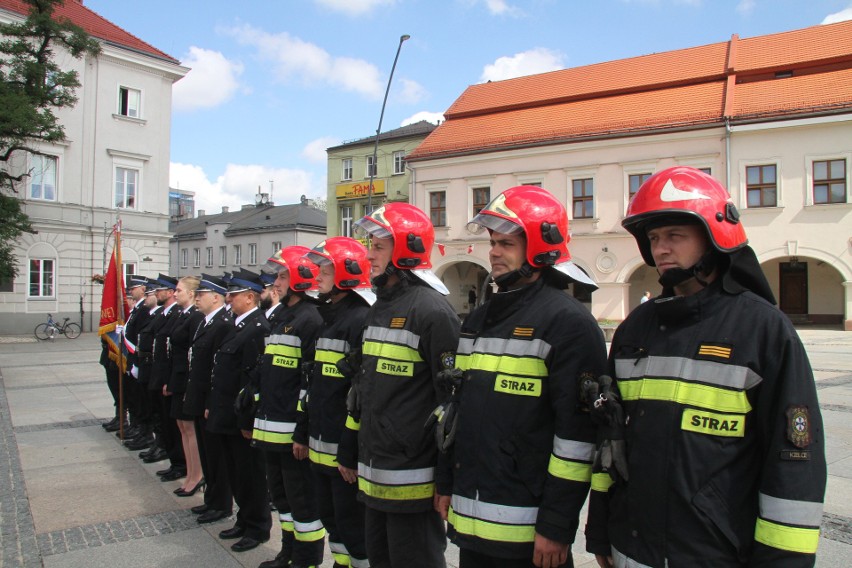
303 273
349 258
681 195
412 232
537 213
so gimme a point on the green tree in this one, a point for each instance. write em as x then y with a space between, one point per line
32 86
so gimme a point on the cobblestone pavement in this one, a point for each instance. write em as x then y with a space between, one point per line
53 393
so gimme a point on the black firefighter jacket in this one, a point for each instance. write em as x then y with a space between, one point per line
161 369
725 443
181 338
522 459
409 332
145 347
279 379
206 341
233 365
136 320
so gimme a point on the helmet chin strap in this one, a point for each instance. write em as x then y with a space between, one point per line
504 281
676 276
381 280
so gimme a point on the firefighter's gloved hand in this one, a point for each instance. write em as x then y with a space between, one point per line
134 372
608 413
350 364
353 402
450 378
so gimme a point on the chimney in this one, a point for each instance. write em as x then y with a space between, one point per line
245 206
224 209
201 212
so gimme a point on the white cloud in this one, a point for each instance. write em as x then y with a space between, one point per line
841 16
354 7
294 58
538 60
238 185
412 91
212 81
745 7
315 150
501 8
433 117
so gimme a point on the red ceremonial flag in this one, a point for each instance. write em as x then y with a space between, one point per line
441 249
112 304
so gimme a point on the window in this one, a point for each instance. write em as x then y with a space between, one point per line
41 278
276 246
209 257
252 253
761 186
371 167
126 182
184 255
347 169
238 255
481 198
635 181
368 209
398 163
584 198
129 102
346 221
438 208
830 181
127 268
42 177
708 171
223 256
196 257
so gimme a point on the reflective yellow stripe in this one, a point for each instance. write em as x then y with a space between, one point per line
702 396
398 352
272 437
325 356
569 470
340 559
527 366
783 537
396 492
285 350
601 482
311 536
352 424
491 531
322 459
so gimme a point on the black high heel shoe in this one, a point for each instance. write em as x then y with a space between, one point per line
180 492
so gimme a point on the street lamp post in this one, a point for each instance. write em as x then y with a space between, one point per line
375 167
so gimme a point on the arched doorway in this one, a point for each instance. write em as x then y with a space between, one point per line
807 289
466 282
643 279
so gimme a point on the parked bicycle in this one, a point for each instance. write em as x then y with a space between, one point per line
50 329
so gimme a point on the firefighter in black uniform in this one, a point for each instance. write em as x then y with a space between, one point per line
233 366
725 458
270 301
410 332
280 393
521 464
141 371
344 286
136 320
216 328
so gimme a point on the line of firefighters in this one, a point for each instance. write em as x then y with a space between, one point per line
339 384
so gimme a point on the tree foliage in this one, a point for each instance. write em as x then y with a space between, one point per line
32 86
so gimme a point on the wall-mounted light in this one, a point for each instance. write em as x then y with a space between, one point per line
604 248
147 259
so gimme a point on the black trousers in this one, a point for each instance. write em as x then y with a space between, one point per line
218 495
112 380
170 438
341 513
471 559
291 486
247 478
413 540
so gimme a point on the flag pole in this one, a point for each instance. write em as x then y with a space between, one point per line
120 321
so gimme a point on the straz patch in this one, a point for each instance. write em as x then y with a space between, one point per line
398 368
397 323
523 332
286 362
798 426
523 386
331 370
714 351
703 422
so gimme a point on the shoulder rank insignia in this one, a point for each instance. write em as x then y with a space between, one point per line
523 332
397 323
714 351
798 426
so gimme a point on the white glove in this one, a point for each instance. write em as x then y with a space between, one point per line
119 329
134 372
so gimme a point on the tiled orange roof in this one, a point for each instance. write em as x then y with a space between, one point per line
94 24
698 86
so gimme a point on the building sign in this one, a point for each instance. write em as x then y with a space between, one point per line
356 190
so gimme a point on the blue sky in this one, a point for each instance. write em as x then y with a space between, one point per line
276 82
